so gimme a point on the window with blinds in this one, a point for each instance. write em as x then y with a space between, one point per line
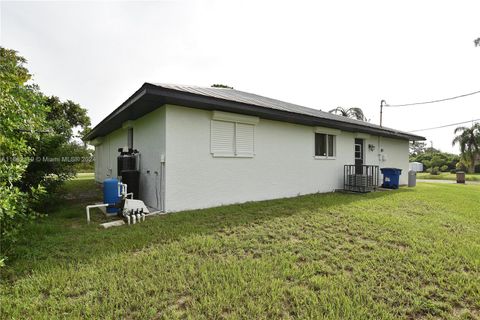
222 138
244 140
231 139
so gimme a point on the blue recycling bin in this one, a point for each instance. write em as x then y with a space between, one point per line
391 177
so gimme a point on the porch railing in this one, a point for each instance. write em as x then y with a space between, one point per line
360 178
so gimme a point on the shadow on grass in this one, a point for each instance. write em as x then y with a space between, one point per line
64 237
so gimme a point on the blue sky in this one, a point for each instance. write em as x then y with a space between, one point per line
318 54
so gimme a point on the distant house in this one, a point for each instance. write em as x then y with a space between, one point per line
204 147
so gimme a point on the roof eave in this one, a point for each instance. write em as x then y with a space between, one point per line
134 97
148 94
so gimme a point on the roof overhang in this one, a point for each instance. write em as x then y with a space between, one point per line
150 97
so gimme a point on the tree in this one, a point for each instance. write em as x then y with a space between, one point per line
477 42
436 159
65 116
32 126
431 150
469 141
354 113
219 85
417 147
57 146
22 118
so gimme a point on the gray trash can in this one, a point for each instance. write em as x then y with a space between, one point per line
412 178
460 177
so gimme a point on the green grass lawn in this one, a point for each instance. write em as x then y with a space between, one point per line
411 253
448 176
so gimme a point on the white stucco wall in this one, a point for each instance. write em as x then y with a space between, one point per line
392 153
283 165
99 163
106 154
149 139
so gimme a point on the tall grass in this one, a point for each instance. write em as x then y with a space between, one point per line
411 253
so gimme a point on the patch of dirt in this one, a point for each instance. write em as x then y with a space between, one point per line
294 239
182 302
398 246
465 313
85 195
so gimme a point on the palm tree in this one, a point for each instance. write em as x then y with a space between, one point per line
469 141
354 113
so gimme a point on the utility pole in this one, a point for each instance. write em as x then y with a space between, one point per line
382 103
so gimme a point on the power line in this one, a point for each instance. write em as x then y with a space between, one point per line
445 126
432 101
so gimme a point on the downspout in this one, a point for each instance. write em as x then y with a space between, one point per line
379 160
382 103
162 183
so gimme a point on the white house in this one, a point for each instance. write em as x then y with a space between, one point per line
205 147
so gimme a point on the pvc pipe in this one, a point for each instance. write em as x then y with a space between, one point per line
129 194
133 219
128 219
122 189
138 161
138 217
94 206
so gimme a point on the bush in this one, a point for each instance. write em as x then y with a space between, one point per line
22 115
461 166
32 126
434 171
444 168
435 158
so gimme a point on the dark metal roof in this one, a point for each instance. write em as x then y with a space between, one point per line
152 96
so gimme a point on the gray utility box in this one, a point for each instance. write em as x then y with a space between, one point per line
412 178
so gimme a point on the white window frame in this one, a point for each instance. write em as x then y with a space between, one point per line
236 119
327 157
327 132
361 151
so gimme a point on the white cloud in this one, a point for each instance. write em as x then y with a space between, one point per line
318 54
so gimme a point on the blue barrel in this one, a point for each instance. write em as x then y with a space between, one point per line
391 177
110 194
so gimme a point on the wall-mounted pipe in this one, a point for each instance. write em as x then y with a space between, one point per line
138 161
122 190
